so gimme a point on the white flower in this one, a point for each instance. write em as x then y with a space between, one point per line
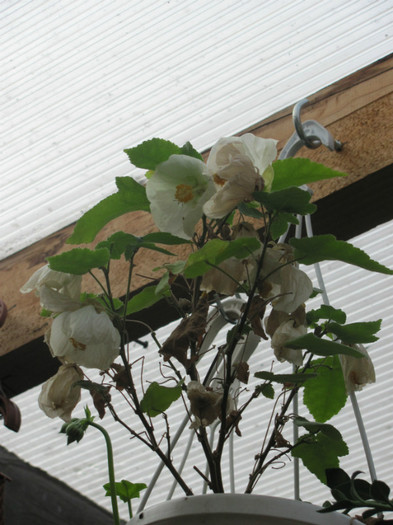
85 337
59 395
285 284
284 333
58 291
177 191
295 288
239 166
358 371
65 283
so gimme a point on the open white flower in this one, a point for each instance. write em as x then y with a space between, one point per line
85 337
59 395
177 192
285 332
58 291
358 371
239 166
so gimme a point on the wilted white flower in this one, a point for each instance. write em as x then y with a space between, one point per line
285 284
85 337
65 283
357 371
177 191
233 270
239 166
58 291
59 395
285 332
205 404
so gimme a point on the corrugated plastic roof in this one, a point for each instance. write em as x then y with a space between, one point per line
81 81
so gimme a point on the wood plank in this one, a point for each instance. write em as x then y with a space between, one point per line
357 110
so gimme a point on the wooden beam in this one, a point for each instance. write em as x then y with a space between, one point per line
358 110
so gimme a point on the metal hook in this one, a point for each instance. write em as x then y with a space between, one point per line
310 134
311 141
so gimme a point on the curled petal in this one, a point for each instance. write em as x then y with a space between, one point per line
358 371
59 395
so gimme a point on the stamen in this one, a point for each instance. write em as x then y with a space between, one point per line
184 193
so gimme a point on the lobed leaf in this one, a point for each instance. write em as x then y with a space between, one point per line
130 197
289 200
355 333
321 347
326 247
79 260
325 394
159 398
150 153
296 172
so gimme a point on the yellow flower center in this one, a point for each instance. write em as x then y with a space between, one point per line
77 345
218 180
184 193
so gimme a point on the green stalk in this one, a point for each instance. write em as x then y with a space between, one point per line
111 471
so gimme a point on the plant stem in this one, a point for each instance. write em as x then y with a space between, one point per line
111 471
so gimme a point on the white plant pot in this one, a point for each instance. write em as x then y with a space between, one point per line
237 509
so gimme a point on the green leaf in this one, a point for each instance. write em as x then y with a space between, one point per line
326 247
336 477
130 197
315 426
215 251
380 491
321 347
119 242
326 312
164 238
266 390
296 172
320 452
125 490
355 333
247 209
188 149
158 398
146 298
79 260
325 395
280 223
290 200
284 378
151 153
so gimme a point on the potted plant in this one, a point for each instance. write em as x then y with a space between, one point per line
231 213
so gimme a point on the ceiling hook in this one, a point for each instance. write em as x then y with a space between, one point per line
310 141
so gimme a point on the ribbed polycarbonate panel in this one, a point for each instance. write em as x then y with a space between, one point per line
83 465
81 81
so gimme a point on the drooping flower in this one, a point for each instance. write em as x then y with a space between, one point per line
284 283
282 327
177 192
85 337
57 291
239 166
60 395
65 283
284 333
205 404
225 279
357 371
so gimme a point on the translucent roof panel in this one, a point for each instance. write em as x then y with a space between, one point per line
81 81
